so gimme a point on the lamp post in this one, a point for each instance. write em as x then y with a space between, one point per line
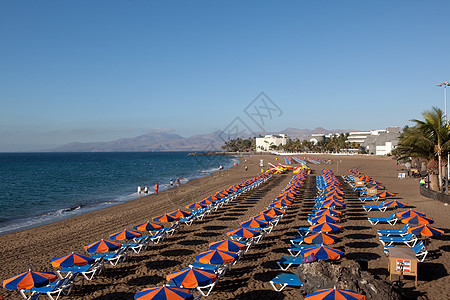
445 84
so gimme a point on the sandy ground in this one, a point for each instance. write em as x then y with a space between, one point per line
249 279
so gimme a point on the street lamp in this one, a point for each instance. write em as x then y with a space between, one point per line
445 84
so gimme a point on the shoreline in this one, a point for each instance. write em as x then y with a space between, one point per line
33 248
51 216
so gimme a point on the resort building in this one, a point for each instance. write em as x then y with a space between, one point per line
382 142
265 143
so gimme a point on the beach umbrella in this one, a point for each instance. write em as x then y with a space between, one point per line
195 205
373 182
325 227
425 230
254 223
328 211
29 280
192 277
164 293
274 212
125 235
385 194
325 218
280 204
165 218
334 197
418 220
205 202
333 203
180 213
320 238
395 203
410 213
324 253
227 245
71 260
365 178
334 294
102 246
216 257
264 217
149 226
243 232
377 186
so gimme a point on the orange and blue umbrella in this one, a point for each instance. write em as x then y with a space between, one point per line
425 230
365 178
71 260
324 253
385 194
165 218
395 203
373 182
254 223
328 211
227 245
377 186
125 235
274 212
180 213
410 213
418 220
164 293
216 257
102 246
334 294
325 218
264 217
325 227
243 232
205 202
332 203
320 238
148 226
195 205
192 277
29 280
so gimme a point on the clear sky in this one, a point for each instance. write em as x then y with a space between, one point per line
101 70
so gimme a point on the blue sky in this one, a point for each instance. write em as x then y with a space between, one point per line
101 70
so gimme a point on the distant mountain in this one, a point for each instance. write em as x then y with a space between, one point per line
163 141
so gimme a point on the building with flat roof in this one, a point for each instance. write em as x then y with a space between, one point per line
382 142
264 143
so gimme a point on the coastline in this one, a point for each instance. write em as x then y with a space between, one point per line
33 248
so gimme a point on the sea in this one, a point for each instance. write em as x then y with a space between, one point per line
40 188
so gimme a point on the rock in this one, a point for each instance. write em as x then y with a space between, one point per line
324 275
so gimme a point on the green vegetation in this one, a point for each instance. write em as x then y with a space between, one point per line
428 140
240 145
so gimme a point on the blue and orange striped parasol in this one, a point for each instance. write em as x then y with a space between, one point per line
227 245
71 260
148 226
334 294
164 293
324 253
243 232
165 218
192 277
102 246
125 235
320 238
28 280
216 257
325 227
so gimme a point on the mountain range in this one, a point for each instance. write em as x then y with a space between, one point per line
163 141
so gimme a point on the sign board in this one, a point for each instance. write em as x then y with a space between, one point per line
359 182
403 265
371 192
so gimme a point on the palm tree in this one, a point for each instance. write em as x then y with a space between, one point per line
427 139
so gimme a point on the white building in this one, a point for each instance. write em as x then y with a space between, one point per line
264 143
377 142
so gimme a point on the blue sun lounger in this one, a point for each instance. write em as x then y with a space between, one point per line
388 232
286 261
285 279
54 290
373 198
408 239
391 220
380 207
419 250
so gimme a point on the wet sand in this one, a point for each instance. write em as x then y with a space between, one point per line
249 279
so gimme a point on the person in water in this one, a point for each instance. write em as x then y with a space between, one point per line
178 181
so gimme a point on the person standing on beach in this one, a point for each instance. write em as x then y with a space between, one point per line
246 168
171 183
178 181
139 190
156 188
145 190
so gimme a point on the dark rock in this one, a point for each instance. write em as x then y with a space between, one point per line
324 275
